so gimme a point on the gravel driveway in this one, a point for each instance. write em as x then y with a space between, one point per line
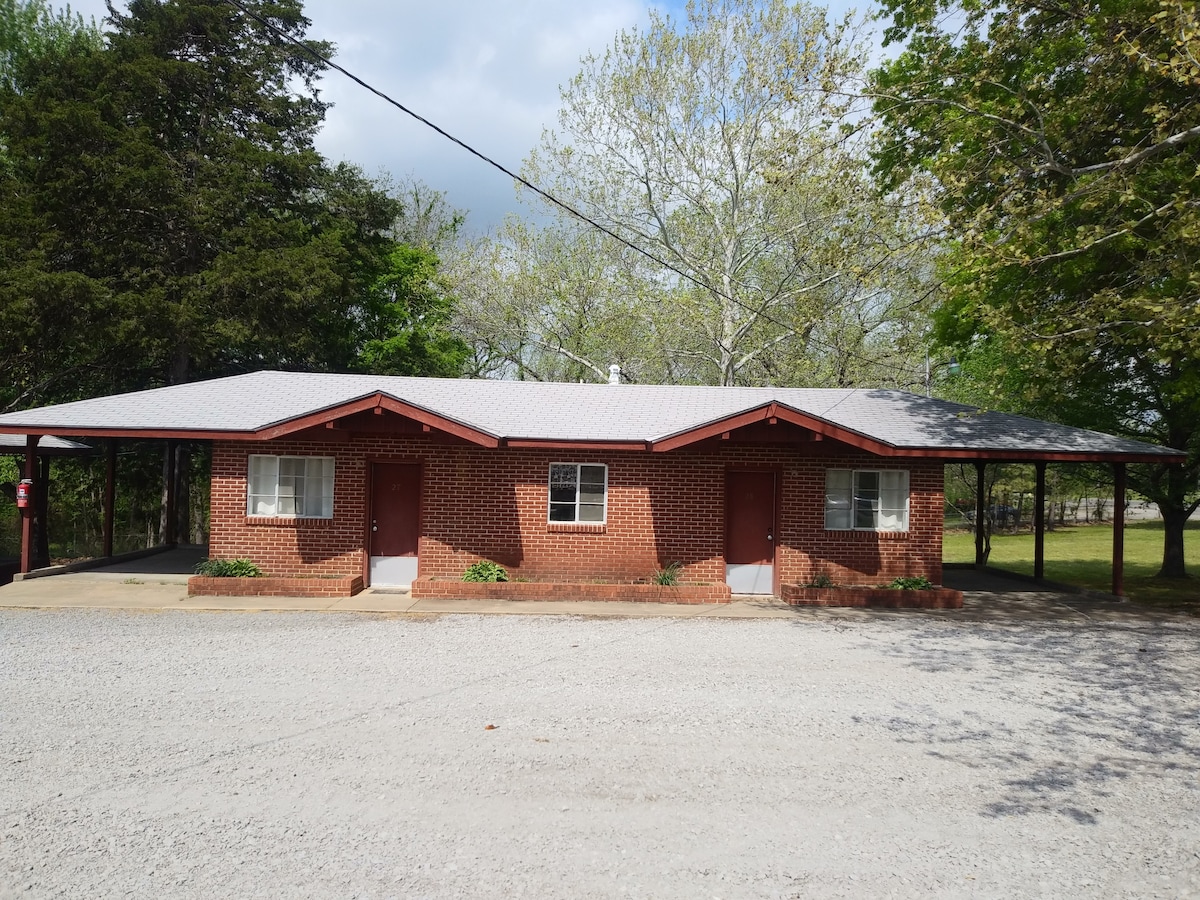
173 755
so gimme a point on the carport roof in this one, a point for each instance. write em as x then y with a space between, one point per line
15 445
265 405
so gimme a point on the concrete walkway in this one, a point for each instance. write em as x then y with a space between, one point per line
159 583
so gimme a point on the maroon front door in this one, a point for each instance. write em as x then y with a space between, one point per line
750 532
395 522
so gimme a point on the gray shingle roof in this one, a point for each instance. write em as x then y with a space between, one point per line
565 412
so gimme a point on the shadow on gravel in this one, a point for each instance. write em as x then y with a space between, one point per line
1062 714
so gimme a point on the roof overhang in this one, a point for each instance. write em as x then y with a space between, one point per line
769 412
58 447
377 401
539 444
780 412
960 454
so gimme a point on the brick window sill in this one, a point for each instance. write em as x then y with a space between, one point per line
866 536
286 522
576 528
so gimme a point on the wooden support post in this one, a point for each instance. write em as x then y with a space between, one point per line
30 472
169 529
1118 565
110 493
1039 522
980 511
42 506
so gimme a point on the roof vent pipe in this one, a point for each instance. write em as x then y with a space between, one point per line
614 374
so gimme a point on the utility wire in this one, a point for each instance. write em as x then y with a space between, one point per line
566 207
487 159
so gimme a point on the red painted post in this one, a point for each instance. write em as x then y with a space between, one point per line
1118 567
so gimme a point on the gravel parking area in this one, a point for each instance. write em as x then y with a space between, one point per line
186 754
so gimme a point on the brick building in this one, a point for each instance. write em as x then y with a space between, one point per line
410 479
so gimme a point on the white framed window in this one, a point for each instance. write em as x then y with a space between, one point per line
866 500
299 486
578 493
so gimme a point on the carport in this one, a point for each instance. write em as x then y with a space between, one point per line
34 459
35 451
1039 507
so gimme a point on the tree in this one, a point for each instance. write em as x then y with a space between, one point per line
31 28
1064 140
406 317
425 218
555 303
714 144
166 216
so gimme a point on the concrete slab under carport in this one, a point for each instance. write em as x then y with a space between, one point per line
163 564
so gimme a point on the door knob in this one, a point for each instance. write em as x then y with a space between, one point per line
770 536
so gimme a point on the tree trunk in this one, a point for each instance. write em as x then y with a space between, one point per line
1174 521
1175 509
198 534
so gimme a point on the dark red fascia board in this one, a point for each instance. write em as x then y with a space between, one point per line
383 402
539 444
773 410
945 454
959 454
277 430
175 434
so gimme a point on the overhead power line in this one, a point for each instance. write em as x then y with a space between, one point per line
566 207
487 159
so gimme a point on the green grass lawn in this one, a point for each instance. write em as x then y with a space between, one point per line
1082 556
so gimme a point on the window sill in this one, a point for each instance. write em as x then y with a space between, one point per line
864 534
287 522
576 527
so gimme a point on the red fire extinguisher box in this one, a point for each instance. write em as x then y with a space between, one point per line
25 494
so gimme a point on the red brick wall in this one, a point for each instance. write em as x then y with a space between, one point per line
491 504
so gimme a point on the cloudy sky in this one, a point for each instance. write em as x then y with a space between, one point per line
487 71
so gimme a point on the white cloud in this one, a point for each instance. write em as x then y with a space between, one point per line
487 71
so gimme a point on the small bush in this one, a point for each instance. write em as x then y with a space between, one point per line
911 583
228 568
668 574
821 581
485 571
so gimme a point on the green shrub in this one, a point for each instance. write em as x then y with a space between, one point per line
821 581
485 570
229 568
668 574
911 583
